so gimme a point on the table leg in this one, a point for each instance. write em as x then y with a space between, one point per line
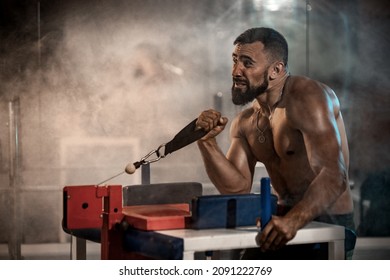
189 255
336 250
78 248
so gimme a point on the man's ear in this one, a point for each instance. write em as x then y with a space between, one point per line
276 70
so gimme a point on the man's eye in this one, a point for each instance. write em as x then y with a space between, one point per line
248 63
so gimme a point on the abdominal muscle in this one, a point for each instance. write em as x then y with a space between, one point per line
290 187
290 171
290 179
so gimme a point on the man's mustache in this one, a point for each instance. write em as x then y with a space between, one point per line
240 80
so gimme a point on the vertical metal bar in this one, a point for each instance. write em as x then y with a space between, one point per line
39 32
14 241
218 101
145 174
308 10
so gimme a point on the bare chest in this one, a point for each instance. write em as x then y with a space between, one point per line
283 153
275 139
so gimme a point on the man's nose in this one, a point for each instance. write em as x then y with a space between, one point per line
237 70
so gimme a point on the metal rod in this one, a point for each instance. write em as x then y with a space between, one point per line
14 236
112 177
308 9
39 32
145 174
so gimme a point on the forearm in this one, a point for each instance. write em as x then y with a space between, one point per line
324 190
222 173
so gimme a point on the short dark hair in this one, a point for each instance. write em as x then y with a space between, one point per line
274 42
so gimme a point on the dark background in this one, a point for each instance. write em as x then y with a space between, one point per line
96 84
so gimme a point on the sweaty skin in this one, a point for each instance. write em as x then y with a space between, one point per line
305 152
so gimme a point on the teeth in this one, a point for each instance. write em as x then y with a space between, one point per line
240 83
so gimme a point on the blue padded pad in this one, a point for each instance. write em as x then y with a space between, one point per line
226 211
92 234
153 245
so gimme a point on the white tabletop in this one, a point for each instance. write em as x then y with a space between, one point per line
245 237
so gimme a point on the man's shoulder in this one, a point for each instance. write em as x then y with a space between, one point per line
303 83
304 88
307 97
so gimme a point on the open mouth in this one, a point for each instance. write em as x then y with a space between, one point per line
239 83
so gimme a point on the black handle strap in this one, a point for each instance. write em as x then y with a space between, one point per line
186 136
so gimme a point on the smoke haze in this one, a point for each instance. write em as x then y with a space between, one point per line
100 85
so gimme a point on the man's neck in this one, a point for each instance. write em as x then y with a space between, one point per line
270 99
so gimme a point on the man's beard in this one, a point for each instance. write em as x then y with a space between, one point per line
240 97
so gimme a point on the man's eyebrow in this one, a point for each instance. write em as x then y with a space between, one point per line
243 57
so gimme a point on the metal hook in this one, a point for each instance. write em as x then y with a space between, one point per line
158 155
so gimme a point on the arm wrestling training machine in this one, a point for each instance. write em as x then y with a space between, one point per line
127 230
